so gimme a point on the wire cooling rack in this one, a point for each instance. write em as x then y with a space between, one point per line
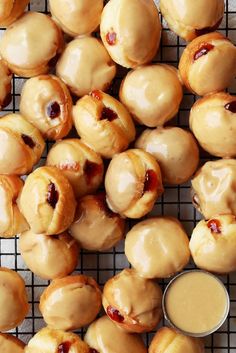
175 202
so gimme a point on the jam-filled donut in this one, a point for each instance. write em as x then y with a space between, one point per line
214 188
47 201
133 302
13 299
77 17
213 244
30 44
152 94
56 341
10 10
82 166
49 257
12 221
21 145
85 65
103 336
133 183
10 344
212 120
92 214
71 302
190 19
103 123
131 31
145 242
208 64
47 104
176 151
5 85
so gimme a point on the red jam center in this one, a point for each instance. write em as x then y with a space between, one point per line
96 94
200 32
214 225
108 114
101 200
92 350
111 38
28 141
53 110
52 195
91 170
114 314
204 50
64 347
231 107
151 181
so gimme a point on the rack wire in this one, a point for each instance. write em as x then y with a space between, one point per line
175 202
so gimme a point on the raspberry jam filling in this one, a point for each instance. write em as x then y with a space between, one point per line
114 314
111 38
204 50
214 225
53 110
151 181
96 94
231 107
108 114
28 140
52 195
64 347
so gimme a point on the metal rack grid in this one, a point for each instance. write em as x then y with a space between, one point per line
175 202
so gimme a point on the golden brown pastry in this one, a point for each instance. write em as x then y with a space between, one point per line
105 337
145 242
48 340
152 94
213 244
190 19
168 340
30 43
133 183
212 120
13 299
85 65
10 10
12 221
103 123
208 64
5 85
131 31
214 186
47 201
21 145
133 302
71 302
77 17
95 226
11 344
175 150
46 103
49 257
80 164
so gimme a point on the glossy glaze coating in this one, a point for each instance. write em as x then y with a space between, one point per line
80 164
103 123
95 227
126 183
135 30
21 145
145 242
52 341
214 124
189 19
13 300
152 94
71 302
38 96
10 344
105 337
5 85
176 151
10 10
41 253
213 70
85 65
213 244
168 340
18 48
137 299
12 221
77 17
214 188
47 201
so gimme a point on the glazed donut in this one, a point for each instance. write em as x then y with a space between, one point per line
10 344
10 10
5 85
